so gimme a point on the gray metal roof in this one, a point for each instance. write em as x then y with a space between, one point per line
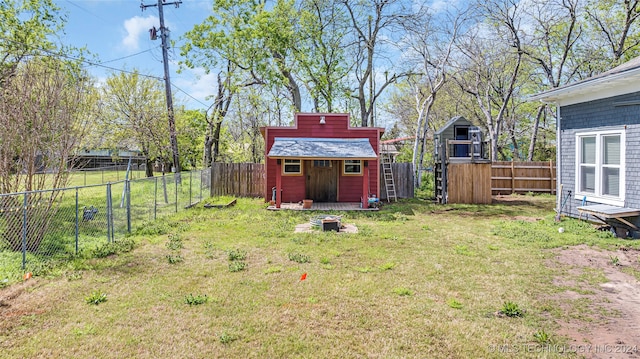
450 123
322 148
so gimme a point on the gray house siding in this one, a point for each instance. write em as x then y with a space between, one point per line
601 115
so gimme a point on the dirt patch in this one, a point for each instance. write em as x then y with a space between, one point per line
601 301
308 228
14 303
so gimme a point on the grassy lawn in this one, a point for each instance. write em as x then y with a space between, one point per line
417 281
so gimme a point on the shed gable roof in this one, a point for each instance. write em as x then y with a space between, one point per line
322 148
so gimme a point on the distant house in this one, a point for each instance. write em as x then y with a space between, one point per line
101 158
598 152
322 158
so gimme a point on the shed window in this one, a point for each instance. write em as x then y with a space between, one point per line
321 163
292 167
600 167
352 167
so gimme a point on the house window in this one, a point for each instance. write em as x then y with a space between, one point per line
292 167
352 167
600 167
321 163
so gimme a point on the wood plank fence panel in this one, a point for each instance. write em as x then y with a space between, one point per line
402 178
469 183
522 177
237 179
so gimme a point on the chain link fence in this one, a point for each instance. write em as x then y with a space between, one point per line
40 226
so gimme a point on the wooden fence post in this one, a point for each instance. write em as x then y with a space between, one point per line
513 177
552 187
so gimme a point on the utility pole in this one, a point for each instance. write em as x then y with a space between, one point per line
167 81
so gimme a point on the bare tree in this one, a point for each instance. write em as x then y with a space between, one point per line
616 20
489 70
431 43
550 46
44 110
372 21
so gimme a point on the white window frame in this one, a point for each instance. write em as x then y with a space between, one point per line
290 162
349 163
598 196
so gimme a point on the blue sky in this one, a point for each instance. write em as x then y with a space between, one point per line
118 32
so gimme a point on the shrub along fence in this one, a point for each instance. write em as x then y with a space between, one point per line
55 224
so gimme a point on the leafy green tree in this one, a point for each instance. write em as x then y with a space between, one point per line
191 126
133 110
25 30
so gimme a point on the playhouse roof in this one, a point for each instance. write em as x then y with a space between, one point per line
322 148
450 123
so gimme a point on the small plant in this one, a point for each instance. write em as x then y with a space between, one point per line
453 303
366 269
226 338
325 260
175 242
73 275
174 258
96 297
463 250
237 266
511 309
270 270
87 330
403 292
299 258
110 248
105 250
237 255
196 299
542 337
388 266
614 260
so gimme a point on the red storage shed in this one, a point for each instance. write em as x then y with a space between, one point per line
322 158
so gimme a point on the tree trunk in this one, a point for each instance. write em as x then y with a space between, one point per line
534 132
208 156
216 141
148 168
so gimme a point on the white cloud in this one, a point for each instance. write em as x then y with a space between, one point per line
135 27
198 84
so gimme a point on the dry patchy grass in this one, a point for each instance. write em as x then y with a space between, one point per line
385 292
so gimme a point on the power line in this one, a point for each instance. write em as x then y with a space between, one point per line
89 63
128 56
82 60
188 95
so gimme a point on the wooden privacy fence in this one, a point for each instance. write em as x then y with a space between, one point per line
248 180
237 179
523 177
469 183
402 178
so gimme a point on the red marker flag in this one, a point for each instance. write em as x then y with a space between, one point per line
303 276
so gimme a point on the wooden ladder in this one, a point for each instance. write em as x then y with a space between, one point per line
389 184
